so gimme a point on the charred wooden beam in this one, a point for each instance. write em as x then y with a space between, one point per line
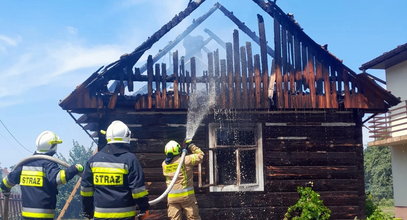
132 58
242 26
215 38
274 11
180 37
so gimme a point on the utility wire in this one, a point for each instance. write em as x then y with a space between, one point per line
14 137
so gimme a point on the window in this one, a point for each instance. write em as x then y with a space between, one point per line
236 157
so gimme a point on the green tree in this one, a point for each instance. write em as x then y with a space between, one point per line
378 174
78 155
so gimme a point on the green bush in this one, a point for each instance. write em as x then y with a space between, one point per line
373 212
309 206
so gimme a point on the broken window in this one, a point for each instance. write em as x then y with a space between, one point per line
235 157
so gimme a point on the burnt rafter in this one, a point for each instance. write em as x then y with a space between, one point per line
131 59
241 25
178 39
215 38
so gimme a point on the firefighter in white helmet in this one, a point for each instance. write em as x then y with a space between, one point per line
181 198
113 179
39 179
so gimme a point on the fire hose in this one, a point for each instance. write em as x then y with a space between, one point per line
62 163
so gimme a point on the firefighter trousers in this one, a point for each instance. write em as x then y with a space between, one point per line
185 205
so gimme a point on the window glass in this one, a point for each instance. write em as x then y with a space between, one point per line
230 136
226 166
247 166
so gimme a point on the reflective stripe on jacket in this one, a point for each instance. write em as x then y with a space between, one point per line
38 180
184 185
113 184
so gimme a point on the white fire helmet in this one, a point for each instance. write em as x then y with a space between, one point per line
47 141
118 132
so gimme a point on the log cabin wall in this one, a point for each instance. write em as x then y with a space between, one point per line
319 147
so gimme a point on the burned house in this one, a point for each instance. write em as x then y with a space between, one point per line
284 117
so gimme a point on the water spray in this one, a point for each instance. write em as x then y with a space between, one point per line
199 105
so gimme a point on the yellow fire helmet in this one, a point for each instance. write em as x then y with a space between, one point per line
173 148
47 141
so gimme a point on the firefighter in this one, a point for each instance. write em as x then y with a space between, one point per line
39 179
181 198
113 180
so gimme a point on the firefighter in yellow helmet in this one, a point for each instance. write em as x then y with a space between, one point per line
181 199
39 179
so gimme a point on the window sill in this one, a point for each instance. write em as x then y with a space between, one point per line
235 188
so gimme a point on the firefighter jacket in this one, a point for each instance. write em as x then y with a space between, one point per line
184 185
38 180
113 184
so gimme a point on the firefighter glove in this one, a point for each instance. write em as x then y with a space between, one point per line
79 167
186 143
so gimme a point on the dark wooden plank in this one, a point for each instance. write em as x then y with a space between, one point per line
129 74
264 62
150 82
327 85
319 85
284 56
217 73
311 78
278 64
244 77
113 100
347 98
229 67
157 86
321 158
306 172
250 69
257 81
193 74
223 87
164 85
182 75
317 185
210 71
304 68
216 63
291 69
298 72
175 66
236 62
188 82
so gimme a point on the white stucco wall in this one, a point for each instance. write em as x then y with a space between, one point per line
396 77
399 165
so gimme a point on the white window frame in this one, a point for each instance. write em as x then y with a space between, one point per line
259 185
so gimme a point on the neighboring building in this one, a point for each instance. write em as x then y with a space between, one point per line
390 129
272 127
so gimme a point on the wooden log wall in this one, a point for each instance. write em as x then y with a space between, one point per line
319 147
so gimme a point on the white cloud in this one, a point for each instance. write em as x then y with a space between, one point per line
8 41
44 65
71 30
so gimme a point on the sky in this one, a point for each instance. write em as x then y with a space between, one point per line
48 47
